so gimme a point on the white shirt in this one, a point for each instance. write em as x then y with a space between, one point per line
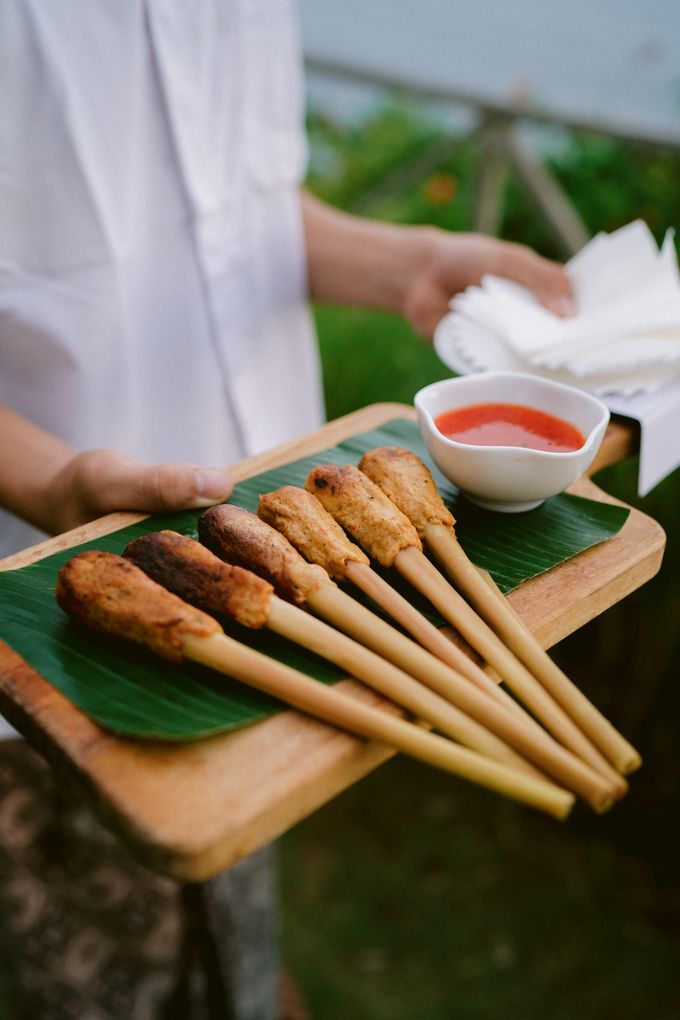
152 268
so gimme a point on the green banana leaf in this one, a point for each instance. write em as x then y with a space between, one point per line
127 690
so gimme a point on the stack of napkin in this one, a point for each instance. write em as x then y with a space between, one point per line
624 338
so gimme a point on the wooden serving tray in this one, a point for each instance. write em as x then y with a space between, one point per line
190 810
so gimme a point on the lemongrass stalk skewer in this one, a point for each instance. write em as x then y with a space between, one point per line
191 571
371 518
494 607
408 483
301 518
238 536
111 594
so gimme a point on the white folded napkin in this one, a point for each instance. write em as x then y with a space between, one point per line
622 344
624 338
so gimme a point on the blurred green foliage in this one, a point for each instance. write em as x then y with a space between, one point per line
400 165
416 897
377 162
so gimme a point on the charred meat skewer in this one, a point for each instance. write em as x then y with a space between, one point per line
195 574
388 536
238 536
407 482
301 518
111 594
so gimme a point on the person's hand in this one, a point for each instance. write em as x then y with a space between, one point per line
452 262
100 481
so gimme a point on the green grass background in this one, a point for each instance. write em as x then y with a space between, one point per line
413 896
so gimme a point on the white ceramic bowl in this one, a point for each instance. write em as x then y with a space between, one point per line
510 478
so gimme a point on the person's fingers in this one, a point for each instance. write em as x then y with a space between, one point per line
461 260
166 487
426 305
99 481
548 280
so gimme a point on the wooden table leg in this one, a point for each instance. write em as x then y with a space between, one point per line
229 955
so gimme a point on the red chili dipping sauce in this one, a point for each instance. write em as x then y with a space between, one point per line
509 425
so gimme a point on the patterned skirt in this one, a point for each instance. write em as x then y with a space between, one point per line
87 933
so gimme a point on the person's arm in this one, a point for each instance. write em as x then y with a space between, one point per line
49 484
414 271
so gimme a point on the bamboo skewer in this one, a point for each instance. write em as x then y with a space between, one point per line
303 521
111 594
491 604
315 635
196 575
239 536
535 744
387 534
314 698
425 633
418 570
408 483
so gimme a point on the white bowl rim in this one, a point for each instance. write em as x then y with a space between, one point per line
550 384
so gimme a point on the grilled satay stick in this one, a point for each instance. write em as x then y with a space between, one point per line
625 757
240 537
301 518
111 594
388 536
408 483
191 571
